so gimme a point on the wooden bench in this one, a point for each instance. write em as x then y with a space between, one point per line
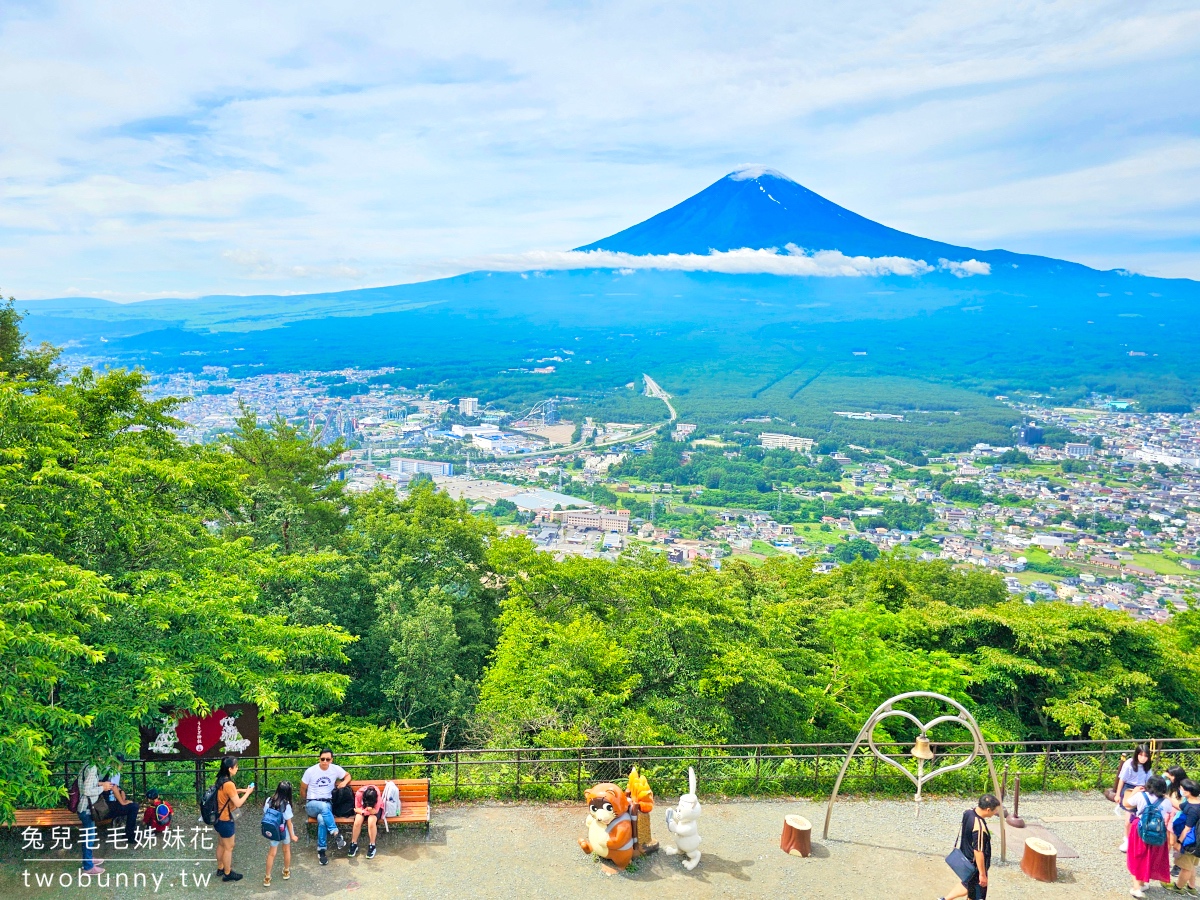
414 802
47 818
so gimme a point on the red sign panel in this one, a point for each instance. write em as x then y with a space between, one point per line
232 729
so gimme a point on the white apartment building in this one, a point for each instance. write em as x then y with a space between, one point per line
418 466
598 520
468 406
1080 451
772 441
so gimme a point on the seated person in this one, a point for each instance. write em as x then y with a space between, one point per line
119 805
368 806
158 812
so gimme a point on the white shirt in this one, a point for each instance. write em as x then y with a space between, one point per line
321 781
1135 777
1141 800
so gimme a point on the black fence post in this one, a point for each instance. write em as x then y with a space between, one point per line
579 777
757 767
456 775
518 775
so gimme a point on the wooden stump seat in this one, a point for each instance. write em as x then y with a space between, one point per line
1040 861
796 839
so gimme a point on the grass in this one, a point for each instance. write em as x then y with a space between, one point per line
1160 564
764 548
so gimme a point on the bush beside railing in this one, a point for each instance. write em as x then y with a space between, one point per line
759 770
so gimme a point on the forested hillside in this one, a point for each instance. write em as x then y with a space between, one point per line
139 575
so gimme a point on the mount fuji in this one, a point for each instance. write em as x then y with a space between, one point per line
757 207
722 299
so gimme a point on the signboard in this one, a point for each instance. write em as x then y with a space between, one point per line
232 728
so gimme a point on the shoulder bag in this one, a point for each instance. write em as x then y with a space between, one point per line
964 867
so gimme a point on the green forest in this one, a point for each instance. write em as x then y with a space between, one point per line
140 575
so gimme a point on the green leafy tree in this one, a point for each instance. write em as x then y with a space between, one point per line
17 359
293 500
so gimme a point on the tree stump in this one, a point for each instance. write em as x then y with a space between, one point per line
1040 861
797 836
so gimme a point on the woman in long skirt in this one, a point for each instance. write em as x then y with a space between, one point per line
1148 863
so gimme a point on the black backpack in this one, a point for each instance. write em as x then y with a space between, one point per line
342 801
208 805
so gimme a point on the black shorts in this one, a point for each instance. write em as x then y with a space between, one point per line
975 891
224 827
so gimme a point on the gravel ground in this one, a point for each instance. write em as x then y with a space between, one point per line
877 849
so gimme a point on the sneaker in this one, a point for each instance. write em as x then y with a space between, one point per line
322 857
1174 871
1191 891
1125 845
232 876
1137 892
353 849
341 841
370 851
94 870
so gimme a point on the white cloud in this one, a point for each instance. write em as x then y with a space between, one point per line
966 268
149 146
256 264
746 261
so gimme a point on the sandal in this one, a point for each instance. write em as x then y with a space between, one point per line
287 873
267 881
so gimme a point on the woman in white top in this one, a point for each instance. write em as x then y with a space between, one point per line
1134 774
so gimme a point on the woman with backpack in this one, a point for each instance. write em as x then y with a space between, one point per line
1134 773
278 829
1148 857
229 798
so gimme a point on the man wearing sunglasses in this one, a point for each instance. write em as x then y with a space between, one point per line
316 789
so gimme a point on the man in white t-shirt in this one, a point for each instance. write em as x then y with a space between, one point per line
316 789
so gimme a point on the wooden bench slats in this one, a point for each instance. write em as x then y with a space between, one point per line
48 818
44 818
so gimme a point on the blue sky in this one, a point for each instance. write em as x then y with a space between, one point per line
152 149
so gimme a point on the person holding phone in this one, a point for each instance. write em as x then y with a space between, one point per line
229 798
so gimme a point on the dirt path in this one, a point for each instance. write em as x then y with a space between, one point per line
876 850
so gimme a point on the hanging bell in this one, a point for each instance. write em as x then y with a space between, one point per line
921 749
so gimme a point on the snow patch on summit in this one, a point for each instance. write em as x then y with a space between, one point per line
752 172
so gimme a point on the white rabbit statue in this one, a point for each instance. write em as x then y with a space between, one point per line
683 822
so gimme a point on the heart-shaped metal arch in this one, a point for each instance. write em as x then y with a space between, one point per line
886 710
922 776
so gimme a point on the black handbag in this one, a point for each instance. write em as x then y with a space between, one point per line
100 811
342 802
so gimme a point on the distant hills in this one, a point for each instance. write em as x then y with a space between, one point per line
939 342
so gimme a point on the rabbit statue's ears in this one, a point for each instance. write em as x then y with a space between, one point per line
691 781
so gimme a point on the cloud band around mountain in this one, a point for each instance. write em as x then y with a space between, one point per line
793 261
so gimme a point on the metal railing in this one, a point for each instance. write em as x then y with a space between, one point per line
563 773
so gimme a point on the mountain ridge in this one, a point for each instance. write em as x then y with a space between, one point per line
742 210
